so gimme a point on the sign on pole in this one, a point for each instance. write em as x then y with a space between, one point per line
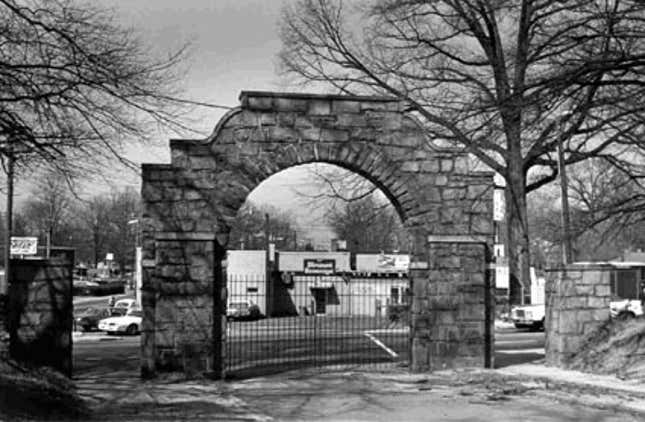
499 205
24 245
502 276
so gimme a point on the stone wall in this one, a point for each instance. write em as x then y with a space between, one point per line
577 303
433 189
41 311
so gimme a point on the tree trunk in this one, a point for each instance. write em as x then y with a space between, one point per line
517 236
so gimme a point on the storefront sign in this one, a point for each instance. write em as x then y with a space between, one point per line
319 266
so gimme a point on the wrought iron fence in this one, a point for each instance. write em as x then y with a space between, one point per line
299 320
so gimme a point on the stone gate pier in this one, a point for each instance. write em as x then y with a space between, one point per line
190 203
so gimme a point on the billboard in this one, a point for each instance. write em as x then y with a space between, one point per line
24 245
386 263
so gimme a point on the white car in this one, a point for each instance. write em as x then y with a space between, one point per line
130 323
625 308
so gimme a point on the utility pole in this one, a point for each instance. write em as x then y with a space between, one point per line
567 256
4 287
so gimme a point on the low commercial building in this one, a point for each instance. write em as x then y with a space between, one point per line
321 283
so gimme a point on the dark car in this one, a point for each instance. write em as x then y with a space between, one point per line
88 320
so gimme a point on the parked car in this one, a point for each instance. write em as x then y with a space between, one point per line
130 323
122 306
88 319
243 310
528 316
625 308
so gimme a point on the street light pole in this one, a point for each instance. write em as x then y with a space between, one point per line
267 263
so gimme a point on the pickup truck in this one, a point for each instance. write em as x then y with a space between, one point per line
532 316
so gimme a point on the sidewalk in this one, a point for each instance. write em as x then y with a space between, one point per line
523 392
595 390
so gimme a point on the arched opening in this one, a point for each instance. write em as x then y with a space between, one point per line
191 203
316 275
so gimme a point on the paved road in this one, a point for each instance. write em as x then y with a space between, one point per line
120 353
83 302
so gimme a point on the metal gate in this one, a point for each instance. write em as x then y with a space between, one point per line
297 320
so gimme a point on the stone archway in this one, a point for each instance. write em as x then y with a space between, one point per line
189 204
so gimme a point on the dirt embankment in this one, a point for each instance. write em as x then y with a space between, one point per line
617 348
27 393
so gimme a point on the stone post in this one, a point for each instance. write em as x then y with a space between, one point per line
452 311
577 304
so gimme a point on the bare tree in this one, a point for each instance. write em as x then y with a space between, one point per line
334 184
76 87
47 212
606 208
368 225
509 81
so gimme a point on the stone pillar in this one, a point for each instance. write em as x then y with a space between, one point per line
185 333
453 308
577 304
41 311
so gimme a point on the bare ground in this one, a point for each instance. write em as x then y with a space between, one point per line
617 348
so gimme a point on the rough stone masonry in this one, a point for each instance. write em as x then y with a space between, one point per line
190 203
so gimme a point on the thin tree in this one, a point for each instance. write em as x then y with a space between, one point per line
48 209
248 229
508 81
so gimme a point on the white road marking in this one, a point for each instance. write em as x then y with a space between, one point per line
380 344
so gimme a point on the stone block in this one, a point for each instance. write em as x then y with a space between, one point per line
596 277
334 135
598 302
574 302
410 166
319 107
441 180
570 326
260 103
472 312
391 121
341 106
602 290
446 165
